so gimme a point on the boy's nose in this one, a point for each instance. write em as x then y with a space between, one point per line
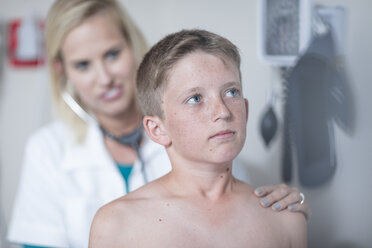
220 111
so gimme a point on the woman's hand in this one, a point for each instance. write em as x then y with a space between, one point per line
281 197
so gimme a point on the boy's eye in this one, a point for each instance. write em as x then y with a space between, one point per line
82 66
112 54
232 92
194 99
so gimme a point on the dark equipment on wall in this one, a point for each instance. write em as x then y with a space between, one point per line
307 44
317 96
269 125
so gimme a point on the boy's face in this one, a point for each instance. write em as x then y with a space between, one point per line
205 114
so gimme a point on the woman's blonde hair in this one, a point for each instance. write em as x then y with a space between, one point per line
65 15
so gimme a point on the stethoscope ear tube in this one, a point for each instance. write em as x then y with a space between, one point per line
133 139
76 108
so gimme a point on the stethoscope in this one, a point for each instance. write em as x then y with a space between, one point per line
132 140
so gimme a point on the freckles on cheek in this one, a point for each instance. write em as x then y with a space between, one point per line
181 126
176 124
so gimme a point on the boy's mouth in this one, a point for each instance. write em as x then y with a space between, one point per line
225 134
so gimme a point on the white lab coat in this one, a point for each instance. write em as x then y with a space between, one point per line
63 184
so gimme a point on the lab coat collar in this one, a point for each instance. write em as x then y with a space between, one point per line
92 152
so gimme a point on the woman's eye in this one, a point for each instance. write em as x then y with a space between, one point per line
113 54
232 92
194 99
81 66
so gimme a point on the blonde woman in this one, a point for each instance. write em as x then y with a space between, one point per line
97 151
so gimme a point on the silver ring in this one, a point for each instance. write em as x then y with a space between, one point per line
302 198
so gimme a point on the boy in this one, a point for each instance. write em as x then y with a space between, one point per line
190 91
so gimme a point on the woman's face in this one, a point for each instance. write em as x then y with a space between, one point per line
100 64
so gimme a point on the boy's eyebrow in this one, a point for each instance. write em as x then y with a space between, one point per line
188 92
232 83
199 89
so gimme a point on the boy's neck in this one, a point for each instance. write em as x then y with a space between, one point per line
207 181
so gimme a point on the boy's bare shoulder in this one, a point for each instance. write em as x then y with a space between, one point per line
130 205
291 226
295 226
276 229
120 219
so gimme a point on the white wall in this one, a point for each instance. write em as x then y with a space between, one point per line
340 208
24 106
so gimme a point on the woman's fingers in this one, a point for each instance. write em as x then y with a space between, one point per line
303 208
271 195
281 197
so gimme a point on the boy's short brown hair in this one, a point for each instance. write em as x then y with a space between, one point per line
152 75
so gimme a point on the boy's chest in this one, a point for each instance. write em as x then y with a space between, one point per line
183 227
196 235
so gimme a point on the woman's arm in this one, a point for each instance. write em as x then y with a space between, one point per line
36 217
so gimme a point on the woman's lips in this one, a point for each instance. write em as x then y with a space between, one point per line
112 94
226 134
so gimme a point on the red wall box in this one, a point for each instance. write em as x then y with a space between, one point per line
13 42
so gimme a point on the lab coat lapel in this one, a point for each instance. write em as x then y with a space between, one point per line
91 168
89 154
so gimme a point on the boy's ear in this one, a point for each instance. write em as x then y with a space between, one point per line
246 108
155 130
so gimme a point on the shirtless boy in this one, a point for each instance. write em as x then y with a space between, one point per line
190 90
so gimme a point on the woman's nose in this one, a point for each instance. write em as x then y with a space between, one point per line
103 74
